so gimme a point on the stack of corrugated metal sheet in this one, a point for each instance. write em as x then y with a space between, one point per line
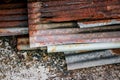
69 26
13 18
49 22
76 26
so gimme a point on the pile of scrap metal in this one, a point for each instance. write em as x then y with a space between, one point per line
69 26
77 26
13 17
65 25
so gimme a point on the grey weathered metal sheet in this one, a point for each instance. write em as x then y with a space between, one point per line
83 47
91 59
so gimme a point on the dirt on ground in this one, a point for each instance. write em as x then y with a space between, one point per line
39 65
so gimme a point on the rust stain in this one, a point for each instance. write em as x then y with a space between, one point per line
13 5
22 41
53 49
14 24
13 11
116 51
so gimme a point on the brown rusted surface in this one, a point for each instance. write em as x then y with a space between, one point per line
89 10
13 5
22 40
23 44
34 4
13 31
76 38
13 17
82 6
50 11
54 32
39 32
13 11
95 40
116 51
49 3
14 24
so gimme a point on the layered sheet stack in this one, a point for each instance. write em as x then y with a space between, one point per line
57 22
13 17
76 26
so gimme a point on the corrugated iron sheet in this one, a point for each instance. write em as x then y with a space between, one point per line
75 38
13 31
65 10
13 18
23 44
90 59
83 47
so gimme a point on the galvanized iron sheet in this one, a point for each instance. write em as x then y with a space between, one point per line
83 47
13 18
90 59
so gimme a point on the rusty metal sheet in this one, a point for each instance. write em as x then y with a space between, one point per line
90 59
70 2
13 17
13 5
81 6
13 31
23 41
102 10
76 36
53 31
39 32
116 51
34 4
13 24
52 25
23 44
98 23
41 43
13 11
